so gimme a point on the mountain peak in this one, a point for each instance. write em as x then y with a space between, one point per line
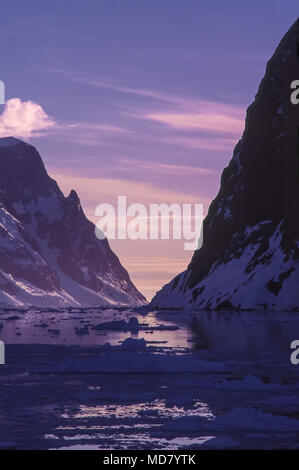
22 172
287 49
73 196
49 253
10 141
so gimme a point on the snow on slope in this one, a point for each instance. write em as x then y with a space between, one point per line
250 254
49 254
241 279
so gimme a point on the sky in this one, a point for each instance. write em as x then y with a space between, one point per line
143 98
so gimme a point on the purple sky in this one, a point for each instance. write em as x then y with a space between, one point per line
136 97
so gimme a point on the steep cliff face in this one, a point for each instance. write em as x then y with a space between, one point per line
49 254
250 254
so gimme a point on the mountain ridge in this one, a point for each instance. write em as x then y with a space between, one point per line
49 254
250 253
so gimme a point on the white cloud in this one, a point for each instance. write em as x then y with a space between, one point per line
23 119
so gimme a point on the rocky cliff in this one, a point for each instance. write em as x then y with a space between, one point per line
250 253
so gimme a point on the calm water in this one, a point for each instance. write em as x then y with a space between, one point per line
203 380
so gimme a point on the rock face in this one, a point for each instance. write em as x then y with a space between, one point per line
250 253
49 254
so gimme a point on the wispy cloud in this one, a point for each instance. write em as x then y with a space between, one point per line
197 115
232 115
93 127
89 134
214 121
163 168
191 122
109 85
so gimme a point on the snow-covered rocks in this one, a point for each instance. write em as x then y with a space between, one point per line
49 254
250 255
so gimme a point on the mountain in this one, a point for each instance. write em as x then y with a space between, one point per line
250 253
49 254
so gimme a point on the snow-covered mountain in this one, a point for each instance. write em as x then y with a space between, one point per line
250 253
49 254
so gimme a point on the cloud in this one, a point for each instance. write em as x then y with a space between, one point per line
181 102
198 115
90 134
89 126
217 122
197 123
151 167
24 119
108 85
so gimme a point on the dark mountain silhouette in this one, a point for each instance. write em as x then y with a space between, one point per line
250 253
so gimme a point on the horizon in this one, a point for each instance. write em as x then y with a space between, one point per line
153 120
